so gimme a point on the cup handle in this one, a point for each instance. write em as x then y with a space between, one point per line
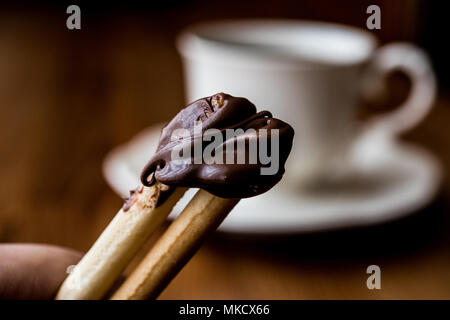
415 64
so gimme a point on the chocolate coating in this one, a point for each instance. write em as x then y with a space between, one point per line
237 180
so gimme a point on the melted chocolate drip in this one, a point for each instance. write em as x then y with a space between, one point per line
132 198
220 111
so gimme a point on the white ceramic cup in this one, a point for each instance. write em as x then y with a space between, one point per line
310 74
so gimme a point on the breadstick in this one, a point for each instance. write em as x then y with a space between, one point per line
176 246
119 242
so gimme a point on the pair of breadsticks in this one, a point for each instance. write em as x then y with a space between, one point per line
164 183
103 264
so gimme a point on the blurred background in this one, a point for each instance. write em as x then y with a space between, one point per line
68 97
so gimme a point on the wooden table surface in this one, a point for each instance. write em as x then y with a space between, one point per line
67 97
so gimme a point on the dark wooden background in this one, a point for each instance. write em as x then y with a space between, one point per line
67 97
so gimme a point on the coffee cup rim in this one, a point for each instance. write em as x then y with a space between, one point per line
207 41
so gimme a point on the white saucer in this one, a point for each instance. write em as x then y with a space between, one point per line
390 180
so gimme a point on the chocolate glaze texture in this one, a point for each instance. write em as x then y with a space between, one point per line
236 180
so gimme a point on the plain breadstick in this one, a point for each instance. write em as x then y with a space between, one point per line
175 247
119 242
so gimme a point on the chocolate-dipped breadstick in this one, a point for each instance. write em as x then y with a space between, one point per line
222 185
226 170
